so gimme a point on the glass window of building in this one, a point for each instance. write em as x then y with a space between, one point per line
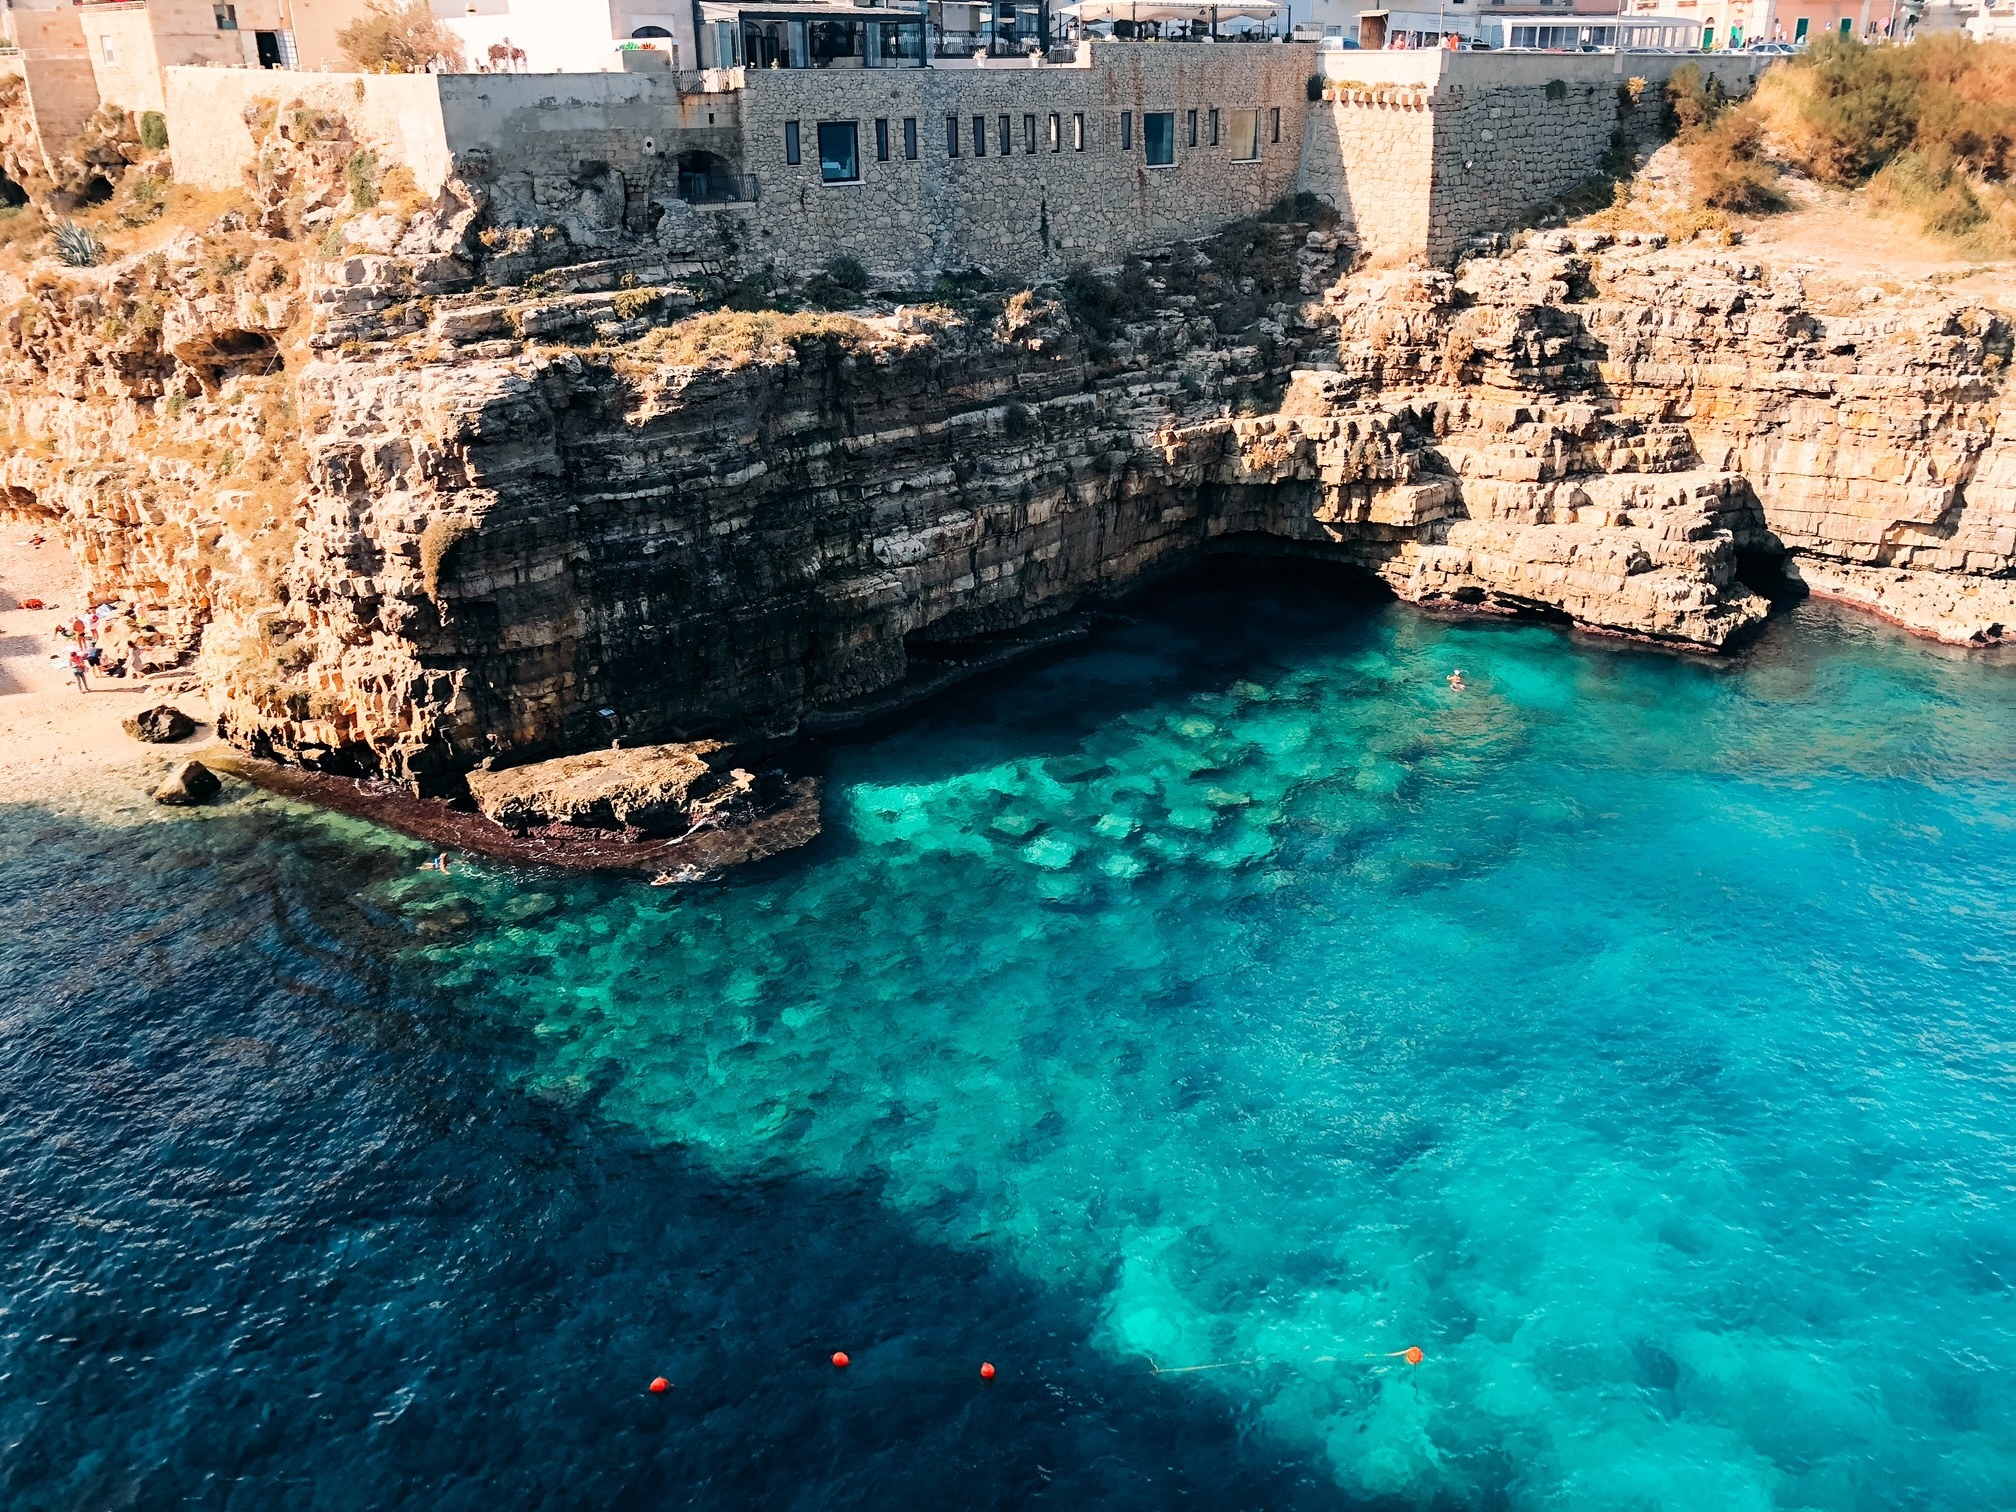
839 152
1158 137
1245 135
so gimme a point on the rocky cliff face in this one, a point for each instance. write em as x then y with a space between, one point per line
474 519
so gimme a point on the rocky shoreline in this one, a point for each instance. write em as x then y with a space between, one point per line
426 549
792 823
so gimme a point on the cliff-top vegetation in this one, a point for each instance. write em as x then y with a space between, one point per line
1928 131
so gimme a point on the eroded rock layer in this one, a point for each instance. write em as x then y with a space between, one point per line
509 521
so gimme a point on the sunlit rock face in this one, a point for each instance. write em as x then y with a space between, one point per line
503 523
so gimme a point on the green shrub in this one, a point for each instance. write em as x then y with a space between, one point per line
153 130
361 175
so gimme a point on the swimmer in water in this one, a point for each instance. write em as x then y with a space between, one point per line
1456 680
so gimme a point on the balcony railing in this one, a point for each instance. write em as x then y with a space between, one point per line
717 188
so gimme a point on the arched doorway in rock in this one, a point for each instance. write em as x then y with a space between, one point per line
12 195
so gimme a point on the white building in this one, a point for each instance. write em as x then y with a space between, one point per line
566 36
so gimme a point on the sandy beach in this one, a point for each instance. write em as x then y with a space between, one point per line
54 739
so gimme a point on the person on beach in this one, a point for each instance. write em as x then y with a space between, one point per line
133 668
78 668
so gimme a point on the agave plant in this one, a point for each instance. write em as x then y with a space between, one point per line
78 246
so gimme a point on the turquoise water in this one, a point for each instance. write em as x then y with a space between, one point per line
1634 1034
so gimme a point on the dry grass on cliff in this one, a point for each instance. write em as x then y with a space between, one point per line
1930 129
735 339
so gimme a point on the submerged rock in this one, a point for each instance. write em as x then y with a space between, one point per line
188 783
163 724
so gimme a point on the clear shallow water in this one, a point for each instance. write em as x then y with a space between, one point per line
1634 1034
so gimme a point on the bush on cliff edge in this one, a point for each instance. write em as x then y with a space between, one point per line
1721 143
1929 128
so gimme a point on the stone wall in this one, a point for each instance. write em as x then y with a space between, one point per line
1025 210
1421 151
397 116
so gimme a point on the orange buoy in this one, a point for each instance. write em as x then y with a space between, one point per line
840 1359
660 1385
986 1371
1413 1355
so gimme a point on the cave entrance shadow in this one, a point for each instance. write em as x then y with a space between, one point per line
1232 615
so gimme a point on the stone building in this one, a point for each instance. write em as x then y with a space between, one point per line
915 171
131 42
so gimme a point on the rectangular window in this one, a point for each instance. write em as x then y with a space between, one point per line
1158 137
979 136
910 136
1077 133
839 152
1028 133
1799 31
1056 132
1004 143
1274 125
105 47
836 43
1214 126
1847 29
791 143
227 17
1245 135
1126 131
951 136
881 141
1190 129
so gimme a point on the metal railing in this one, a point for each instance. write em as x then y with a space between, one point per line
717 188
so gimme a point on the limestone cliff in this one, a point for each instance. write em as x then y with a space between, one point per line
428 500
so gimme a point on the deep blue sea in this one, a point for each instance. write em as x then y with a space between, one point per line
1184 1024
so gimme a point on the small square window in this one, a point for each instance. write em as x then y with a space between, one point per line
951 136
791 143
881 141
839 152
1158 137
1126 131
227 17
979 136
910 136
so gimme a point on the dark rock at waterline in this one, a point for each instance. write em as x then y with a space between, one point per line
161 725
187 783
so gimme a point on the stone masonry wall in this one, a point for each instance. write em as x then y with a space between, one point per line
1022 211
1421 151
